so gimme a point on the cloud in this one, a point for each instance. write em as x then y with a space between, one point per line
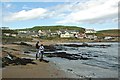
92 11
85 11
26 15
5 0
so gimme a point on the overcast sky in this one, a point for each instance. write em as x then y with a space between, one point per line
91 14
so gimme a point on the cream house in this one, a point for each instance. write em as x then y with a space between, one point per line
66 35
90 31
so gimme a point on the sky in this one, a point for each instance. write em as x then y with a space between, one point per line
90 14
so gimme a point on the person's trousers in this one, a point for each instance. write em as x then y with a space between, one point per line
41 55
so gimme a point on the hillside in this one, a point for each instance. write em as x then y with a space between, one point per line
9 31
54 28
110 32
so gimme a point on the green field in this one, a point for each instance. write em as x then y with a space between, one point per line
55 28
110 32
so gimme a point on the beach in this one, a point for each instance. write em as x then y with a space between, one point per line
40 70
37 70
99 66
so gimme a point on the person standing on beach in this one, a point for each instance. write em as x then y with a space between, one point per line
37 49
41 52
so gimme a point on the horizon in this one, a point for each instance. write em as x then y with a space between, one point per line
89 14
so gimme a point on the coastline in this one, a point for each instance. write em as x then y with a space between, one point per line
38 70
41 70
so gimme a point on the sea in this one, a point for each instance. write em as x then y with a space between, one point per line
105 65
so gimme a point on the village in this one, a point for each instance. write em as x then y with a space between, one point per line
90 34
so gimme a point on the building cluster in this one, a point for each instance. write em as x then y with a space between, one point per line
88 34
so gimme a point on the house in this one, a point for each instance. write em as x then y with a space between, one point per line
10 34
108 38
44 32
40 31
59 32
73 31
5 28
80 35
90 31
91 37
90 34
34 35
66 35
14 35
28 34
7 34
23 31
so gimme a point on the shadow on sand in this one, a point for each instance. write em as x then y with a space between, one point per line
43 60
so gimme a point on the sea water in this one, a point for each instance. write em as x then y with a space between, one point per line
105 65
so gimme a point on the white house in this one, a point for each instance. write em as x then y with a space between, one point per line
7 34
40 31
90 34
14 35
22 31
90 31
108 38
66 35
91 37
34 35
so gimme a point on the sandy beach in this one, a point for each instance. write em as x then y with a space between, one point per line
40 70
37 70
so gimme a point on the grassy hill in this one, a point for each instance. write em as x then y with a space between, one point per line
54 28
110 32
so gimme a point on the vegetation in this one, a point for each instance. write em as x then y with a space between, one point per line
112 32
8 39
54 28
10 31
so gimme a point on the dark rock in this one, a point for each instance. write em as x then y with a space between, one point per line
67 56
23 43
69 69
26 52
95 56
15 60
50 48
87 45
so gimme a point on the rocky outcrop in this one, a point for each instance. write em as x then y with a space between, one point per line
12 59
67 56
50 48
86 45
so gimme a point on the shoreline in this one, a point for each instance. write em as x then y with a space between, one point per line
52 70
38 70
50 42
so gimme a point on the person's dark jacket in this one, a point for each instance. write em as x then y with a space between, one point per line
37 46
